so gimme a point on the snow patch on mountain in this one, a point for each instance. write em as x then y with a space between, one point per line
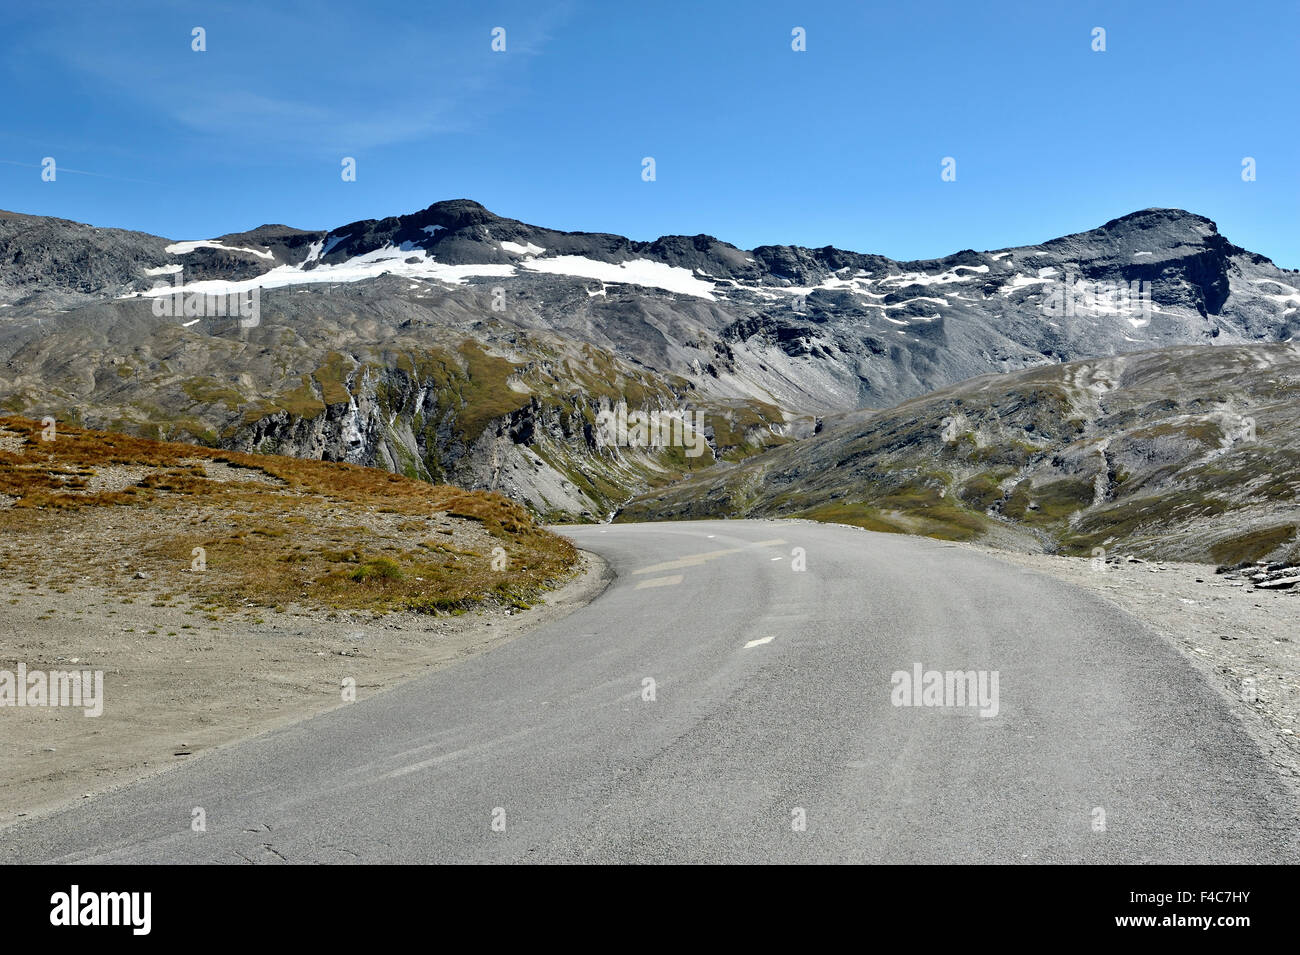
919 298
943 278
518 249
391 260
645 272
1023 281
184 248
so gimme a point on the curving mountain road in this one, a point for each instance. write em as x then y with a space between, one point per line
772 705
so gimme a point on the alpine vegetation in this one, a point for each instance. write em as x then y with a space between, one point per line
657 428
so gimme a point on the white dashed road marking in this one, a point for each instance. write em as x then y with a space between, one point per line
694 560
659 582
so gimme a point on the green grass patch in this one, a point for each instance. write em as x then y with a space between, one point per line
1252 545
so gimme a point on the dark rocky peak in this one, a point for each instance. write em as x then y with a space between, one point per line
454 215
267 234
1158 218
57 262
702 253
454 232
1158 233
791 263
287 244
967 257
797 265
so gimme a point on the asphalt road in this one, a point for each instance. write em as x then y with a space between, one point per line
772 735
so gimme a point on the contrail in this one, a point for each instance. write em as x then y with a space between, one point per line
82 172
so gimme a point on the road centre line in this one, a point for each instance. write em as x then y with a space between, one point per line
659 582
695 560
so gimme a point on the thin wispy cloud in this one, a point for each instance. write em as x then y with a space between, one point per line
289 81
299 125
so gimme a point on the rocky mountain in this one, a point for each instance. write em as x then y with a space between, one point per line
1187 453
453 344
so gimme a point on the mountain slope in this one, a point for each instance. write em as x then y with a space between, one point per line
233 531
1187 453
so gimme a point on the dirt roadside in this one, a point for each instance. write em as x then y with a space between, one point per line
194 684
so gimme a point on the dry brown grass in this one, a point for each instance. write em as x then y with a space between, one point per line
293 532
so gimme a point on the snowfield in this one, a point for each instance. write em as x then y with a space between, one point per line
393 260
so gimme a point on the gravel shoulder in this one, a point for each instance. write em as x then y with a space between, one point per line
178 684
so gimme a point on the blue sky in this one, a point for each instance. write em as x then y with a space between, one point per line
841 144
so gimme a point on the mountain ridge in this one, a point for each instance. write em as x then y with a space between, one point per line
454 344
453 216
